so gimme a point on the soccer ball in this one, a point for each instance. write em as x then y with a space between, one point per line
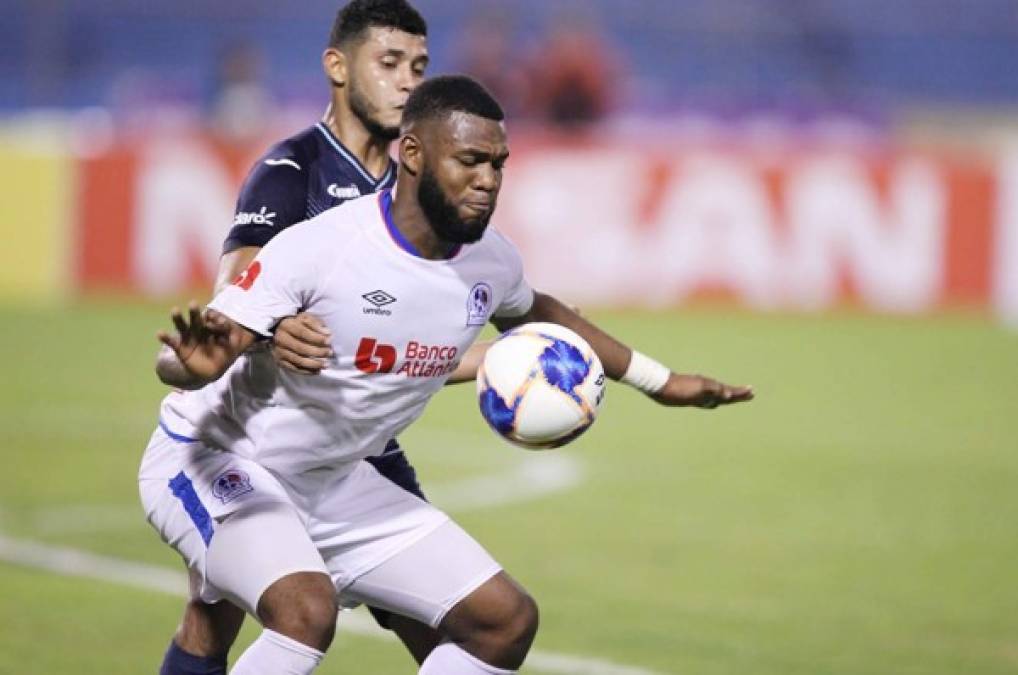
540 386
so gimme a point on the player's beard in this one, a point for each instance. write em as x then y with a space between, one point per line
442 214
366 112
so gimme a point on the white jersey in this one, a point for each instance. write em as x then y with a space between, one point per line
400 324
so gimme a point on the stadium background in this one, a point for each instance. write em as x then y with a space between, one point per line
818 198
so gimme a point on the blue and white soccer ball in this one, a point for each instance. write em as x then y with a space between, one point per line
540 386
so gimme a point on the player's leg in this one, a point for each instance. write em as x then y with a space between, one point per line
495 625
233 525
263 560
203 639
448 581
418 638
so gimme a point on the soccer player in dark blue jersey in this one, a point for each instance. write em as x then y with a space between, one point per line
377 54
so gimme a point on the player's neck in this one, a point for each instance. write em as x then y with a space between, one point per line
412 223
371 151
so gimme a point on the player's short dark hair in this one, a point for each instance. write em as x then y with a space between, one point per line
359 15
440 96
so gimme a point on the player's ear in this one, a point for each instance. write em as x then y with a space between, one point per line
334 63
411 154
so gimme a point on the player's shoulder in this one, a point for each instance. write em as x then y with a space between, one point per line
495 241
358 212
296 153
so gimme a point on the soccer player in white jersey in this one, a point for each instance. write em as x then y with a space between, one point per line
377 53
255 477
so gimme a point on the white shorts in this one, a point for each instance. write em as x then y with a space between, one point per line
270 526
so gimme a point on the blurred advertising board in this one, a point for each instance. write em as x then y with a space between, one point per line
37 199
616 221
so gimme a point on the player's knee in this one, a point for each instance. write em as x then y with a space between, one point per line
519 628
497 624
303 607
505 640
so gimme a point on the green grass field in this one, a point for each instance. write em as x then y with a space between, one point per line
858 518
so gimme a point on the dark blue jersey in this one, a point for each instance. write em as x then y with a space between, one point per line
295 180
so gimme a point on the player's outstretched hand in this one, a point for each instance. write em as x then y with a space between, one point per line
204 343
701 392
302 343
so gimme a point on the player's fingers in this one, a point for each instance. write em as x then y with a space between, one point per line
295 361
309 328
310 351
194 315
739 394
171 341
735 395
284 334
315 324
178 321
294 333
216 322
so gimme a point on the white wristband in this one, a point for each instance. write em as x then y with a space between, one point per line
646 374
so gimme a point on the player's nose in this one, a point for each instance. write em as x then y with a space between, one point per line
407 79
486 177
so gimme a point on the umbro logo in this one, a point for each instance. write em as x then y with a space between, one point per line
349 192
379 299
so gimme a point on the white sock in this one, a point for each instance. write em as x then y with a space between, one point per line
276 654
448 659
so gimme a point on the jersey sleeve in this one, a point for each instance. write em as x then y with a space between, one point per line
273 197
519 296
281 280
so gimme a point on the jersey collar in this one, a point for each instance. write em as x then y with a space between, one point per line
345 153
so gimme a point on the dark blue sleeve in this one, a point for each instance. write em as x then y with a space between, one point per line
273 198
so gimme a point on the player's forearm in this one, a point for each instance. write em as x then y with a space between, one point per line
614 355
172 372
466 371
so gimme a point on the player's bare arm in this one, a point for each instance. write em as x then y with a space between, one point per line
675 390
203 346
466 371
232 264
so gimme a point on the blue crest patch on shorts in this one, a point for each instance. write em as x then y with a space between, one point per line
231 484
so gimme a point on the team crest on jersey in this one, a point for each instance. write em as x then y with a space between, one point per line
231 484
478 304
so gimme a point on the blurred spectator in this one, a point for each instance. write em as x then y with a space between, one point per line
489 51
823 47
241 105
574 75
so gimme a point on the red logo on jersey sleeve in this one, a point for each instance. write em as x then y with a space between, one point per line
375 358
248 276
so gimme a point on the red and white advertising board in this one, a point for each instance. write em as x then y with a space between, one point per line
632 222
